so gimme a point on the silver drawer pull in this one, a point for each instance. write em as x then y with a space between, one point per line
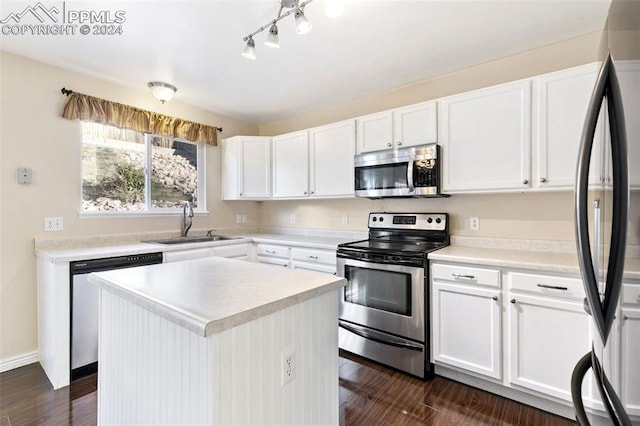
312 257
465 276
553 287
270 251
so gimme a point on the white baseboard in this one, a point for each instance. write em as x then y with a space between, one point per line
18 361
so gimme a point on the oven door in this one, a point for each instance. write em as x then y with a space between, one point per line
384 297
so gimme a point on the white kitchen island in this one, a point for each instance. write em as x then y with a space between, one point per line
217 341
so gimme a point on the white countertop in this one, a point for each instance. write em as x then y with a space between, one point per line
213 294
86 253
525 259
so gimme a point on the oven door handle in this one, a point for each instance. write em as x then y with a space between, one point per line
378 337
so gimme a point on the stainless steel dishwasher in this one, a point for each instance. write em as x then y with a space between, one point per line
85 305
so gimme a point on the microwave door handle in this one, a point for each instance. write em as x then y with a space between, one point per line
410 165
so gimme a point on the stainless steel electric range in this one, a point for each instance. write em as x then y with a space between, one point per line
384 309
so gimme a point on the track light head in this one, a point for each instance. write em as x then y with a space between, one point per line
250 49
303 25
272 38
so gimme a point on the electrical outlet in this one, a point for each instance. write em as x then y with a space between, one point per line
474 223
245 218
238 218
53 224
292 218
288 366
345 219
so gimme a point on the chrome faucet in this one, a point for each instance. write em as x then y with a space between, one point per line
186 226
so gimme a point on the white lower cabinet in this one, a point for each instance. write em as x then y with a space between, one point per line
524 331
547 338
549 332
630 349
467 328
312 259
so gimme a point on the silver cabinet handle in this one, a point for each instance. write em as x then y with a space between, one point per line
312 192
543 180
389 144
399 143
513 301
241 194
305 192
526 181
552 287
270 251
312 257
464 276
495 297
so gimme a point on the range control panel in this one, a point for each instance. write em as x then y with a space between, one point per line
422 221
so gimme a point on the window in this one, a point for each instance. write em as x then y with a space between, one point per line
115 171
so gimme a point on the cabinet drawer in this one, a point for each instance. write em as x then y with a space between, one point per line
466 274
178 256
547 284
274 261
631 294
235 250
272 250
315 256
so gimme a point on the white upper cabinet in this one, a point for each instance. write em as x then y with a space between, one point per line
331 151
561 101
398 128
629 77
485 137
317 162
291 165
246 168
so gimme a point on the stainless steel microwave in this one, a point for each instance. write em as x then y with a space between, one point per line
406 172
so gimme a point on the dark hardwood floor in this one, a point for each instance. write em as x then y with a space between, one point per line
369 395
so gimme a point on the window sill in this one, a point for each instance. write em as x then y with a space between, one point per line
106 214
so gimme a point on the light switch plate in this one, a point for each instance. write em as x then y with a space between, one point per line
24 175
53 224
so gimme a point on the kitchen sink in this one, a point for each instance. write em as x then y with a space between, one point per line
186 240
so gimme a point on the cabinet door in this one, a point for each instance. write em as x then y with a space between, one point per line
291 165
375 132
486 139
547 338
630 359
561 107
467 326
629 77
331 149
255 168
415 125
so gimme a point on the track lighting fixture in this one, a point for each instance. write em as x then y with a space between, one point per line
333 9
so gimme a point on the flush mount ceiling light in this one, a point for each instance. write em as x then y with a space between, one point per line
162 91
333 9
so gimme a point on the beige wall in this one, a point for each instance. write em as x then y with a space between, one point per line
573 52
32 135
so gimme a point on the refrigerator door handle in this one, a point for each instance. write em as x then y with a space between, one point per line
606 87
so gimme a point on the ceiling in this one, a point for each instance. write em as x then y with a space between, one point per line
375 45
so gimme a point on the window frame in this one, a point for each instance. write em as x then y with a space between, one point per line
150 210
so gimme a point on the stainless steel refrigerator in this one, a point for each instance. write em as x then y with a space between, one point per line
605 211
